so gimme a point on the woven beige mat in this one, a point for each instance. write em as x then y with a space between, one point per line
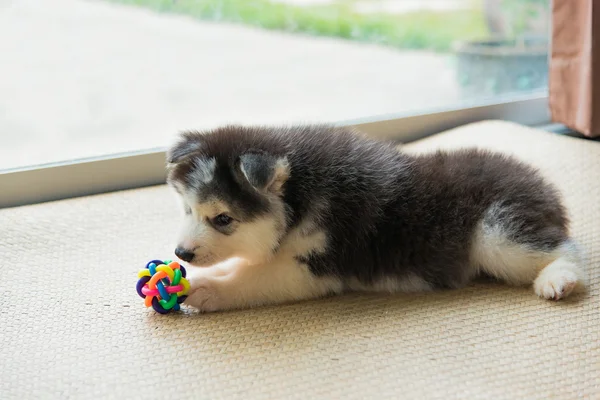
71 324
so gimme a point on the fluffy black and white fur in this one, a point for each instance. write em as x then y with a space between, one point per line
284 214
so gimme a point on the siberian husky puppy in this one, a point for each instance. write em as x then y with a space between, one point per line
280 214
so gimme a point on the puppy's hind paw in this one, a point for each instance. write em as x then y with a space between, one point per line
555 284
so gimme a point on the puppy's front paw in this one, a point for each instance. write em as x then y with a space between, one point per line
215 288
204 294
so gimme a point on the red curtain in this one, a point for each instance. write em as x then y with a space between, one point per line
575 65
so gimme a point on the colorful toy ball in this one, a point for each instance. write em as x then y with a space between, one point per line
163 286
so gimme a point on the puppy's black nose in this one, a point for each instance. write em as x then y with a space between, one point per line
184 254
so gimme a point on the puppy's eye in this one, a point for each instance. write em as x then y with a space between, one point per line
222 220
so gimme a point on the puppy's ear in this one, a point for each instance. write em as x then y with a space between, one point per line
265 172
188 144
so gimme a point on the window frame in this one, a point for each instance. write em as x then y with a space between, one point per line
74 178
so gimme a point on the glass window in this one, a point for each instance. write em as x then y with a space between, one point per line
90 78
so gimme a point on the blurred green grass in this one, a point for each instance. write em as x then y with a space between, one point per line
432 30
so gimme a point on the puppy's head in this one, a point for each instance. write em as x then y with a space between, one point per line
231 187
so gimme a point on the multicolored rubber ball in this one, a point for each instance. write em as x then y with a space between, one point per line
163 285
